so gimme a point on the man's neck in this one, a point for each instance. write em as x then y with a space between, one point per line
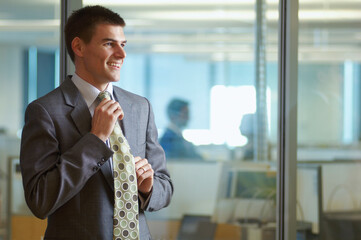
175 128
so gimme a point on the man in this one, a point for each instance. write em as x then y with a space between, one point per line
66 160
247 130
172 141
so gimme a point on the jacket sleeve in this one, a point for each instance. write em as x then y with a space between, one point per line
162 185
52 177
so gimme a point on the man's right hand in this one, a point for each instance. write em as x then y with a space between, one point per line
105 115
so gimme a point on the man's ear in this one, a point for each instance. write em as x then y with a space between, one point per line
78 46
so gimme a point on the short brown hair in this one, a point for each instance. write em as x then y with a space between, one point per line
82 24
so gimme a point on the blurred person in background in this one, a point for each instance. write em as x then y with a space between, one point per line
172 141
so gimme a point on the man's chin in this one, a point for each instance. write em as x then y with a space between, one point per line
114 79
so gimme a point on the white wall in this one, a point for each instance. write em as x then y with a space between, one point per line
11 88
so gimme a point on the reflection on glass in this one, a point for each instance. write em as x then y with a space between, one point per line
329 100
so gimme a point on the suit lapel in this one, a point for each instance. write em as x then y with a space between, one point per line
82 119
80 113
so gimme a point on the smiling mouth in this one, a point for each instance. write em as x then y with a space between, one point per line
116 65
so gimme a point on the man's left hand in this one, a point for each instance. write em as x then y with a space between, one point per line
145 175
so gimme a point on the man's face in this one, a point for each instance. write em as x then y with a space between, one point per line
103 56
182 117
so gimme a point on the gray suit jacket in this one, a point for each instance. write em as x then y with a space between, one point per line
66 173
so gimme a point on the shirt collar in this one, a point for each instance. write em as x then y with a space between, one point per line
88 91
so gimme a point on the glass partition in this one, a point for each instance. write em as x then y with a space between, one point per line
209 69
329 119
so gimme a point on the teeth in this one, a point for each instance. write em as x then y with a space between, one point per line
114 64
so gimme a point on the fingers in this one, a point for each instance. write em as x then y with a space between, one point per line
141 166
144 176
110 107
143 170
104 118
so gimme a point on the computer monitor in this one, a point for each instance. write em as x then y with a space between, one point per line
247 191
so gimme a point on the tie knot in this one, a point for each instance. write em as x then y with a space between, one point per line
103 95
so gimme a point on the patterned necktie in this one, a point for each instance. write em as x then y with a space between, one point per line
125 221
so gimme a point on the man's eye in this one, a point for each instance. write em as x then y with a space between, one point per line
109 44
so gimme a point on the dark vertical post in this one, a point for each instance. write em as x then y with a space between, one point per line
287 138
66 65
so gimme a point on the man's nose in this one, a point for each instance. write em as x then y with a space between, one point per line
120 52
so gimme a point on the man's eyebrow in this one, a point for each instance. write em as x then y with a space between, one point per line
113 40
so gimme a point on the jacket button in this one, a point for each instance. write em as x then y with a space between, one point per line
99 164
103 159
95 169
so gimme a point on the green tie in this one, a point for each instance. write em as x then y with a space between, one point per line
125 221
